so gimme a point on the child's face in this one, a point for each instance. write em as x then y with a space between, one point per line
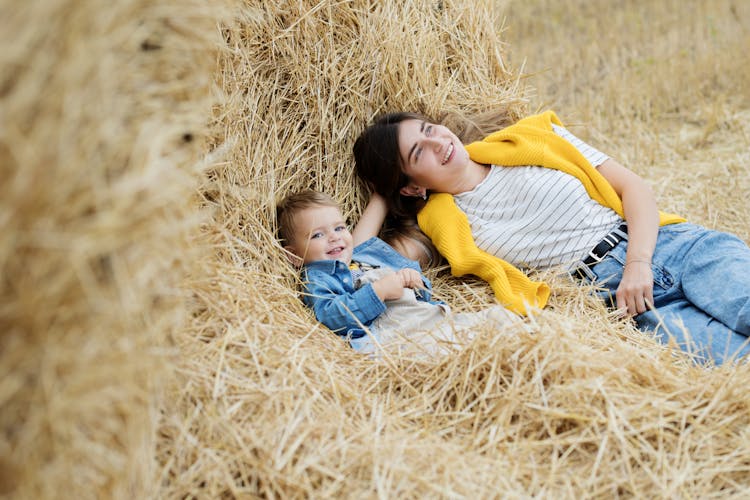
320 233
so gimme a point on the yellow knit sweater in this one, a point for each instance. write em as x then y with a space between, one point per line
531 141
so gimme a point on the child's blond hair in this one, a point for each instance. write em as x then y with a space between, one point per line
288 208
402 232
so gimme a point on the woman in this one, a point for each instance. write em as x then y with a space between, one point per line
533 196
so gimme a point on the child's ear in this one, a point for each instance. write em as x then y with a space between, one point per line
292 257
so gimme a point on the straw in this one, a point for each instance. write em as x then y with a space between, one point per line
154 344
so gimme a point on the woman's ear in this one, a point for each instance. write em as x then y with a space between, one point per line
413 191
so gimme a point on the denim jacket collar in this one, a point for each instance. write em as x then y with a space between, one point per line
326 266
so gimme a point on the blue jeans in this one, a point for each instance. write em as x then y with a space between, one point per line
701 290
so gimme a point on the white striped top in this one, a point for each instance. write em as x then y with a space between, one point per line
536 217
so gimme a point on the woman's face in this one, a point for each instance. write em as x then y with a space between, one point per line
432 157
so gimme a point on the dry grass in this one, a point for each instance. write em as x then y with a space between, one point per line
153 343
101 109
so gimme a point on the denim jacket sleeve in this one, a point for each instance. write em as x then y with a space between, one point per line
329 291
376 251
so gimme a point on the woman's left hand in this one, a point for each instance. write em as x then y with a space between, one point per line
636 291
635 295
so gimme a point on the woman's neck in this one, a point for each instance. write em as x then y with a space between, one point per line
475 174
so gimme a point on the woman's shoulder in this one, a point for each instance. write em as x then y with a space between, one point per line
438 203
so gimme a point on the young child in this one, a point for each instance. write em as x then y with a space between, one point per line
363 289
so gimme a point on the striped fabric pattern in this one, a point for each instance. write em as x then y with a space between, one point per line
536 217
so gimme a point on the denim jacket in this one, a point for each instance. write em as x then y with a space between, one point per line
329 289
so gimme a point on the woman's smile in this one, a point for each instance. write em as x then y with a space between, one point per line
448 153
435 159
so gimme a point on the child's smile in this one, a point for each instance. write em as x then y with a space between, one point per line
321 234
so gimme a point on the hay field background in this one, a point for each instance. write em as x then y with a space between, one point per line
152 342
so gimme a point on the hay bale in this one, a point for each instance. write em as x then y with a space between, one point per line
154 343
103 110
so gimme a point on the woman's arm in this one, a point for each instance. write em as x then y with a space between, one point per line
635 292
371 220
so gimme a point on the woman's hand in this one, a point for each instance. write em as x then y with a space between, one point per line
636 291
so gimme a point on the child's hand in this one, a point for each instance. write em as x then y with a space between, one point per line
391 287
411 278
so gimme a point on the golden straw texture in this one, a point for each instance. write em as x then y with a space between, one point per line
154 344
102 110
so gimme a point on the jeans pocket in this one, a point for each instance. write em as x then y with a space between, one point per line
609 271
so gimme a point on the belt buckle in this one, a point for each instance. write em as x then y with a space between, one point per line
597 258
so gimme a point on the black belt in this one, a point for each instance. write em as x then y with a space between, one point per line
602 249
